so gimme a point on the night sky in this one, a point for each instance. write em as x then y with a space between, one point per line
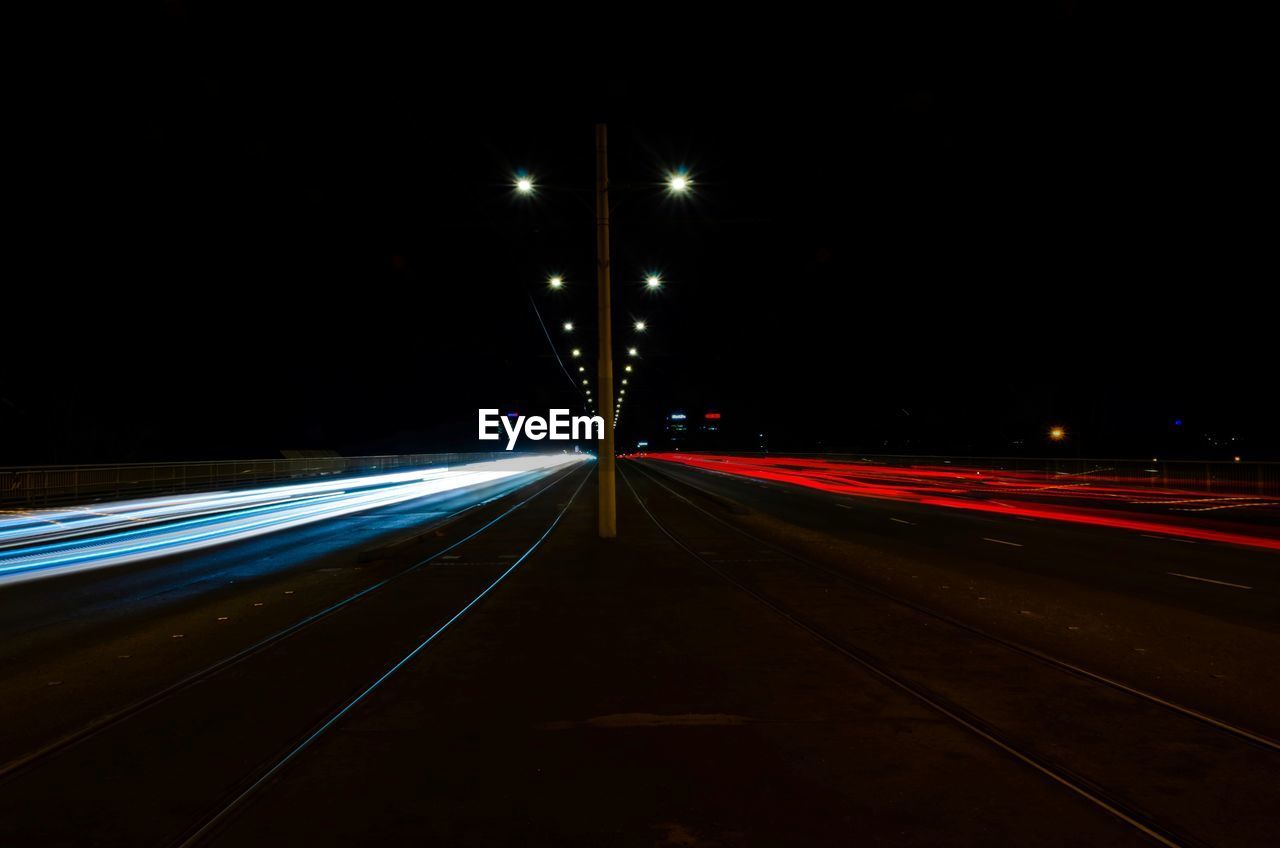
236 247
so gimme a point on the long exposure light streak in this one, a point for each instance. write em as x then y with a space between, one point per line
42 543
1108 502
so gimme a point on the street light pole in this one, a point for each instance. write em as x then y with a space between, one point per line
608 489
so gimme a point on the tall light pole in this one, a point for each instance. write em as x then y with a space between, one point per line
608 488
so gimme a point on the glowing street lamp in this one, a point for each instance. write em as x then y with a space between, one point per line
577 352
556 282
524 184
1057 434
633 351
568 326
678 182
653 281
640 326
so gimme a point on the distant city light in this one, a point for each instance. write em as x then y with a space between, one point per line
1057 433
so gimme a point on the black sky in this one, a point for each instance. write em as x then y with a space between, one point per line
242 239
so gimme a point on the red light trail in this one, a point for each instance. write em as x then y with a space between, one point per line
1052 497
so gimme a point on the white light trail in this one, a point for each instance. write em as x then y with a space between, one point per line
42 543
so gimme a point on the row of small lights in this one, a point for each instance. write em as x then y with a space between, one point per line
653 281
677 183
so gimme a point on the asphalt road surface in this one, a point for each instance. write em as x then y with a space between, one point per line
749 663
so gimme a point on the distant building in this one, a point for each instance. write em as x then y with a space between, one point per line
677 427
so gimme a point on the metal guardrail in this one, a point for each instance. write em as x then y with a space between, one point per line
1210 476
31 486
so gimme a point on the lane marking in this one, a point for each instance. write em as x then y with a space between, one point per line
1257 738
1208 580
900 521
964 719
844 506
1149 536
1003 542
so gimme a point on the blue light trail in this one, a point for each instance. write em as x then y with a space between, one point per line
44 543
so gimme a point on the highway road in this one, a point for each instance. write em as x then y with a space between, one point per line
753 662
97 658
1172 611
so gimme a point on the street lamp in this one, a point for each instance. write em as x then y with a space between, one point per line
1057 434
568 326
632 351
678 182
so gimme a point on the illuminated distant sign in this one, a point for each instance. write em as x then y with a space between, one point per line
676 416
713 416
642 444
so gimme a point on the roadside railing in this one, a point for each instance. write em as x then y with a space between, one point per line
32 486
1211 476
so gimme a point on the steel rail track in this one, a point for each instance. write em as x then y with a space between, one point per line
24 762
